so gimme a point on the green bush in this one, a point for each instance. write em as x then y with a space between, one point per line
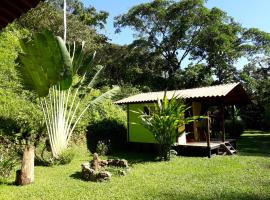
110 131
65 158
6 167
234 131
8 159
102 148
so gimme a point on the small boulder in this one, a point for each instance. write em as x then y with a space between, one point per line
118 163
103 176
87 172
123 163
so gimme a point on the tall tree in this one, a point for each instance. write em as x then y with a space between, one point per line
219 44
167 27
47 16
88 15
132 65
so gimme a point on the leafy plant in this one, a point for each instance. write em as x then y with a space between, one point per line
7 165
65 158
8 159
102 148
164 120
49 69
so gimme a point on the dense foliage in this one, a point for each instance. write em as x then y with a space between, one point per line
107 128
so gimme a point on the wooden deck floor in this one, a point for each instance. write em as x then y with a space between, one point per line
203 144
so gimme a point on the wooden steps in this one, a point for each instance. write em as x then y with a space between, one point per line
228 148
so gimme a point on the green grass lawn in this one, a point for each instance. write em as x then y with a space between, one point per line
245 176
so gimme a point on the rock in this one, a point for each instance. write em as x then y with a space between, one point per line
123 163
103 176
85 165
87 172
95 169
95 163
103 163
118 163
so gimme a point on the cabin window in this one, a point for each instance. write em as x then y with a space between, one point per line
146 110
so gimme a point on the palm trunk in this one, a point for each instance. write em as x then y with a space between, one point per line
26 174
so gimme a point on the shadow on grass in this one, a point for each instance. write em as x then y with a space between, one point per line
134 157
226 195
6 182
254 143
76 175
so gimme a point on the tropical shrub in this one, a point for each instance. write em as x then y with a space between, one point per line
102 148
7 165
8 158
110 128
65 158
163 122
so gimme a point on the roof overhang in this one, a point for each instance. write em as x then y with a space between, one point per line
12 9
229 94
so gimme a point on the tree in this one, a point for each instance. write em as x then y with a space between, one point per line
219 44
47 16
163 122
196 75
131 65
89 16
21 121
166 27
255 76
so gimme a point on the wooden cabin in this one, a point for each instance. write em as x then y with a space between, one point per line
200 100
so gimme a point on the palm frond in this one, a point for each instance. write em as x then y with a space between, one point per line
96 76
107 95
42 64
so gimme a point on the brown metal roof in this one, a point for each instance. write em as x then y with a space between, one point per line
233 90
12 9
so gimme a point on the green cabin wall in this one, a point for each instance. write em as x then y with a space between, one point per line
136 132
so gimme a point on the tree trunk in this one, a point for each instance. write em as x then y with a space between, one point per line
26 174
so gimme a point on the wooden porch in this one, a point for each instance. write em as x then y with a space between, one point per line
203 148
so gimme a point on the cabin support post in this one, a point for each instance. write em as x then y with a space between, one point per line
222 123
208 136
233 120
196 110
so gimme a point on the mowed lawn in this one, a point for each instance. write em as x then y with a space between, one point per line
244 176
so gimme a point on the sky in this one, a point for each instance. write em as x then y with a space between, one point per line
249 13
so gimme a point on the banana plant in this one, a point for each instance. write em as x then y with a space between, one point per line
47 67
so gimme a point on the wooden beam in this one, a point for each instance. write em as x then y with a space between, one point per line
222 123
208 135
233 120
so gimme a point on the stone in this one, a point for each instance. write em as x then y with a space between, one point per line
123 163
87 172
103 163
95 169
95 163
118 163
103 176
